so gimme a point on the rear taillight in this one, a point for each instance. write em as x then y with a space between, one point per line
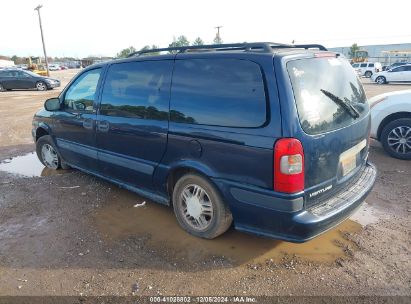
288 166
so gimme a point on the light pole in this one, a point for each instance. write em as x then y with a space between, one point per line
42 39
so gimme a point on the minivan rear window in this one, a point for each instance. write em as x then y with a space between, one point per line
327 92
218 92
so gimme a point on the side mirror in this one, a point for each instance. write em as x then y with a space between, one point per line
52 104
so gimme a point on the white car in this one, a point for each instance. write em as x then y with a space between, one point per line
54 67
391 122
367 69
398 74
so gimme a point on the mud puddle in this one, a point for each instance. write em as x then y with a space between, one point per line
368 214
120 220
27 165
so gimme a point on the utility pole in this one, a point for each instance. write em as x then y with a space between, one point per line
217 38
42 39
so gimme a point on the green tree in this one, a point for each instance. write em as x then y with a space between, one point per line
179 42
126 52
353 49
198 41
152 47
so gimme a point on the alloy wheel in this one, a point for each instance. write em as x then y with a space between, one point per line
196 207
399 139
49 156
380 80
41 86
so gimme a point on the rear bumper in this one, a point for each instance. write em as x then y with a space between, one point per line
267 216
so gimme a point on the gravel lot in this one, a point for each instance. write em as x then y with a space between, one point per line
68 233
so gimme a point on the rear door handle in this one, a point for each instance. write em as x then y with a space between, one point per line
103 126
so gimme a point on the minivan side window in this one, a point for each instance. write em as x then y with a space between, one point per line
139 89
218 92
81 94
363 65
371 65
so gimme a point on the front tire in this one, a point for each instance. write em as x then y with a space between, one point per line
396 138
47 152
41 86
380 80
199 208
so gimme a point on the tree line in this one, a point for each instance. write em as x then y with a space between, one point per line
177 42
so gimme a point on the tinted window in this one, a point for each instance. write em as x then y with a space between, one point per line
8 74
399 69
81 94
21 74
137 90
221 92
312 79
363 65
355 65
371 65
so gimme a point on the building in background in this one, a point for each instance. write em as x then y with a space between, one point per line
384 53
6 63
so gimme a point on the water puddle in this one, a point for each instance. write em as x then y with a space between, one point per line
368 214
27 165
120 220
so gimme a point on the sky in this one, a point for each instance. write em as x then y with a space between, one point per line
80 28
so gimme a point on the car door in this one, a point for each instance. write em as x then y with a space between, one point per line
132 122
407 73
5 79
396 74
10 80
363 67
74 130
25 81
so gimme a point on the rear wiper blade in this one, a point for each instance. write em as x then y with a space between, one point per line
346 106
348 102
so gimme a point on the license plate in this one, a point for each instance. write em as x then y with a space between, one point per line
349 164
348 159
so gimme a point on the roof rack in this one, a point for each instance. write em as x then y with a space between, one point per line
266 47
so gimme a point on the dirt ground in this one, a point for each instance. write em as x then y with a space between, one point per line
68 233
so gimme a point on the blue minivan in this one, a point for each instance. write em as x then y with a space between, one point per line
271 138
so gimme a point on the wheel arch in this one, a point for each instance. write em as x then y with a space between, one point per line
389 119
178 170
42 130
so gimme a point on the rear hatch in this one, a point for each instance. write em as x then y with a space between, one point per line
334 123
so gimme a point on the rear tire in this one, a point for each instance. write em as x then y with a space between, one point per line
47 153
2 89
199 208
381 80
368 74
396 138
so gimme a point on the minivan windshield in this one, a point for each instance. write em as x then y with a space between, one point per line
327 92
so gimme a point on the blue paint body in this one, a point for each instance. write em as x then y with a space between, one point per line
141 154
